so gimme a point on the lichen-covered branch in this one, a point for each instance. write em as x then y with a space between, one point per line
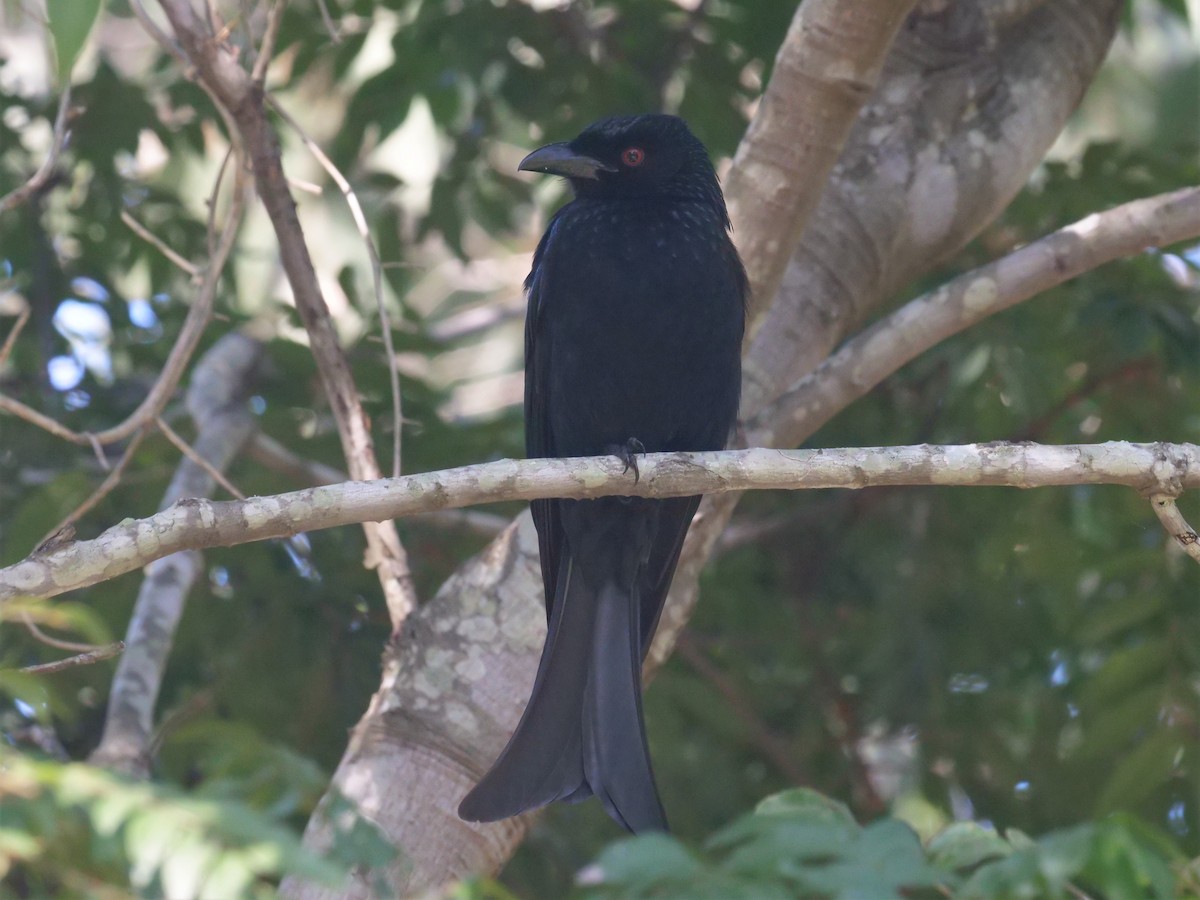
192 524
962 115
927 321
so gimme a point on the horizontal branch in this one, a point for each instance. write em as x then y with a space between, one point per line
196 524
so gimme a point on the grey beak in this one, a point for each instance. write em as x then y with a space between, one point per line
560 159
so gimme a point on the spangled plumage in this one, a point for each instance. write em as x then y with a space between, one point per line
632 342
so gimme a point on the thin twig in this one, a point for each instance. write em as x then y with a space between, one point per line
185 345
873 354
9 341
38 180
155 241
360 222
33 417
160 36
186 449
267 48
51 641
210 226
328 22
106 486
108 651
1177 526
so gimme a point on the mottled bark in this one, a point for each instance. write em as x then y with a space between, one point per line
192 524
964 114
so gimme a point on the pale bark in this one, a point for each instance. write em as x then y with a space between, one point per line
216 401
827 67
192 523
963 115
875 353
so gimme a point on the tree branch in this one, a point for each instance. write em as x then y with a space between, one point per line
217 67
181 353
927 321
41 177
216 402
961 117
1176 525
194 524
108 651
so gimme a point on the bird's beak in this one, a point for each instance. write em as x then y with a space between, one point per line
560 159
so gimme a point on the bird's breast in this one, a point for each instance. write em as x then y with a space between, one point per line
644 315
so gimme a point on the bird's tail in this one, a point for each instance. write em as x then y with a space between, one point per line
582 732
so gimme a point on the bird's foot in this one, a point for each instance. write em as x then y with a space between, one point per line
627 454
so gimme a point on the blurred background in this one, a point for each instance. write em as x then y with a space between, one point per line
1023 658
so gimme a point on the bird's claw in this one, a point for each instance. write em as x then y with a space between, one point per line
627 454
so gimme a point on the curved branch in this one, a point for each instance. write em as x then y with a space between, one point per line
927 321
181 353
39 179
195 524
962 115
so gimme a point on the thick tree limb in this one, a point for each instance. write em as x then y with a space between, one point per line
927 321
825 70
192 524
216 400
234 89
962 115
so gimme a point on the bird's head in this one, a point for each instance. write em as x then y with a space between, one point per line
648 156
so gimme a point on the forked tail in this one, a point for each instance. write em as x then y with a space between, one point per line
582 732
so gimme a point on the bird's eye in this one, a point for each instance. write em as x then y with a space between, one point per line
633 156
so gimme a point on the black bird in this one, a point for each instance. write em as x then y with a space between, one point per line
632 344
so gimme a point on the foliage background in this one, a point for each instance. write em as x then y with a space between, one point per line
1023 659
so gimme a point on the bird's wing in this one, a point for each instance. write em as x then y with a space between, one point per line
539 442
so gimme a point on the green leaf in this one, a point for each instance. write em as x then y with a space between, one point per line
807 803
964 845
1134 860
651 859
1142 770
70 23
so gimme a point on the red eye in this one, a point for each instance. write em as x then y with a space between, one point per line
633 156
